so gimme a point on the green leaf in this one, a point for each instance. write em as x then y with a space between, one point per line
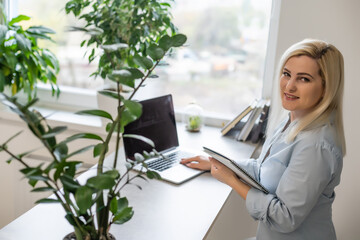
108 126
165 4
83 135
134 107
43 189
40 30
111 94
138 157
153 76
96 112
31 103
11 59
178 40
153 175
155 52
125 81
114 205
69 183
122 76
48 200
19 19
23 43
32 182
83 197
32 173
53 132
136 73
70 218
143 62
71 167
81 150
38 178
50 59
141 138
123 216
122 204
132 112
2 81
61 151
94 31
123 73
114 47
59 169
165 42
9 160
113 173
126 118
101 182
51 166
97 149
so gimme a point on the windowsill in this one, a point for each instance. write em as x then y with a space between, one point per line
60 117
62 110
88 123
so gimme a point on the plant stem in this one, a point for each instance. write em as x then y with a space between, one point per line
14 156
143 79
118 126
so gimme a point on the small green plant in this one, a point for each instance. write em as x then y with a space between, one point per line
194 123
22 61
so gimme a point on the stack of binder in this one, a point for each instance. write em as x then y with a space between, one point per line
250 124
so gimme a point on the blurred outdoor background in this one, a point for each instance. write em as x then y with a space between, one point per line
221 67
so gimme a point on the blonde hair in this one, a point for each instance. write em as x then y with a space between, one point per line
331 70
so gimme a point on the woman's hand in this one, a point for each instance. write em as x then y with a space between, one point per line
227 176
197 162
221 172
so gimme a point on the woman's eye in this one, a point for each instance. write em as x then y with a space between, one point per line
304 79
286 74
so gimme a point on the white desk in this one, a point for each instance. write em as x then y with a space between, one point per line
162 210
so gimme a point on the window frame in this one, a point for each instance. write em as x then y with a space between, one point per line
73 99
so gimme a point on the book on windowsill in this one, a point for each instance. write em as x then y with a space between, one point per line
260 125
236 121
238 170
245 131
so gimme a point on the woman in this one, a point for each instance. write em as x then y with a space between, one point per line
301 163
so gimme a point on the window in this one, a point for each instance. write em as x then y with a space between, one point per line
75 69
221 68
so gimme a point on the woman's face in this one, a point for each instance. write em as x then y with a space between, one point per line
301 86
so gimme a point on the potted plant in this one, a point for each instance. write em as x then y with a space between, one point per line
130 38
22 61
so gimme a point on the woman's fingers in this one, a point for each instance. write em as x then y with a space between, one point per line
188 160
197 162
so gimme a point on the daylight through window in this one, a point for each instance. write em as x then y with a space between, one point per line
221 68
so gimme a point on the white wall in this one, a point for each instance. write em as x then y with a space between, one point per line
337 22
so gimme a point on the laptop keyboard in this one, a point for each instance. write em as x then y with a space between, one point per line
161 164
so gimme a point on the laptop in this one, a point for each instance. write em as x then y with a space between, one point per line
157 123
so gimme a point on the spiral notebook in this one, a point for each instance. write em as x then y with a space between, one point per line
239 171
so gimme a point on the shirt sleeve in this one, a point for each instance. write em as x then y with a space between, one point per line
250 166
310 170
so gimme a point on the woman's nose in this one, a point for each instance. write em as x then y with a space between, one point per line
291 85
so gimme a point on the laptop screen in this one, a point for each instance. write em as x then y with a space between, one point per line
157 123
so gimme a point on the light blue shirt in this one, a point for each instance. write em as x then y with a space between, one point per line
301 177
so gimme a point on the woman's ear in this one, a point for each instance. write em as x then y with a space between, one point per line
323 89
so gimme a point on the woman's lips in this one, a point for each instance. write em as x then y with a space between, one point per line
290 97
